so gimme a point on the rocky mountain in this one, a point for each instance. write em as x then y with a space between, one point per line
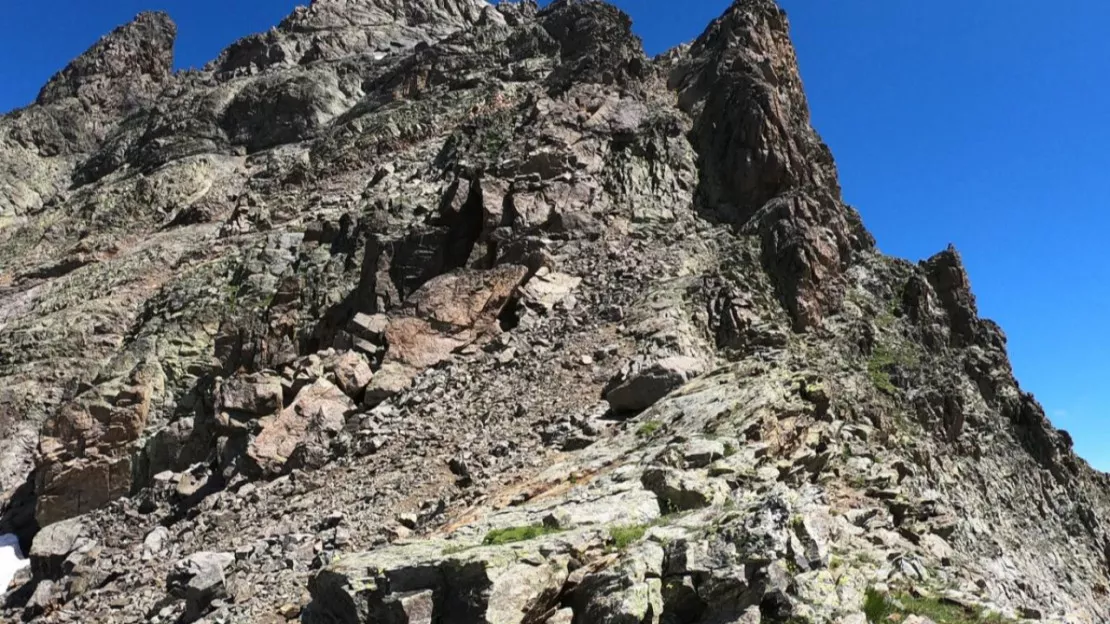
438 311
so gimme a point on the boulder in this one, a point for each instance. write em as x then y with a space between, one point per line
628 592
352 373
199 579
316 416
548 288
401 583
249 396
450 312
43 598
392 379
643 388
85 453
53 544
682 491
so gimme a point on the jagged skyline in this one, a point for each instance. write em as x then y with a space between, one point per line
884 143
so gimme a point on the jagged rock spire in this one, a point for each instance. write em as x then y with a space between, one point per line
126 67
763 167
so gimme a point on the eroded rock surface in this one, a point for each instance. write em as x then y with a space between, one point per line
453 312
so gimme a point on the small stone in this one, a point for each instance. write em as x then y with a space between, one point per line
155 542
352 374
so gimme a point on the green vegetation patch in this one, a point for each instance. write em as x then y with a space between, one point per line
649 428
624 536
883 608
497 537
883 359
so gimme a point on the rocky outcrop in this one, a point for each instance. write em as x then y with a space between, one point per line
457 312
762 165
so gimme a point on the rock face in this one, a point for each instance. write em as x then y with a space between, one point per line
443 311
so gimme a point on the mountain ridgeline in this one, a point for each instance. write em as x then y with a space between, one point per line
436 311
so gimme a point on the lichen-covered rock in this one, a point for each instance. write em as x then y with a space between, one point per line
467 312
644 387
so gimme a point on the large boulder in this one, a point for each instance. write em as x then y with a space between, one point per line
316 416
444 315
243 398
643 388
54 544
86 451
401 584
199 579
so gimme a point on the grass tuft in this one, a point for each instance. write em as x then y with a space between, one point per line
624 536
509 535
882 608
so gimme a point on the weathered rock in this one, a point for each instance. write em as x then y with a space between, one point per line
249 396
54 544
315 417
448 313
199 579
155 542
546 289
393 584
629 591
645 387
85 451
352 374
493 207
681 491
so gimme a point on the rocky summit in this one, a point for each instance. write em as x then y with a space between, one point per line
437 311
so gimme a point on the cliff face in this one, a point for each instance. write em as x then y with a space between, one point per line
442 311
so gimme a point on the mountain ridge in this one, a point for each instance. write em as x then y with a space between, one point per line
392 281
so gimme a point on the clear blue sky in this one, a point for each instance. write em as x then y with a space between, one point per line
977 123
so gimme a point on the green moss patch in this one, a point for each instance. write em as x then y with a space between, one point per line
510 535
883 608
622 537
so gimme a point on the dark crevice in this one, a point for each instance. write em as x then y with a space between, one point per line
464 232
509 318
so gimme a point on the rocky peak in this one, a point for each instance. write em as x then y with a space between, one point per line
763 168
445 311
742 84
334 29
324 14
596 42
126 68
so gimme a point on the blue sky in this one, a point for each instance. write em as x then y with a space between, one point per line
982 124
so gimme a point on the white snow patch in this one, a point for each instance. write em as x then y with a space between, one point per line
11 560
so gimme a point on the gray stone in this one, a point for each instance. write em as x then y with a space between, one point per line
352 374
200 580
644 388
155 542
53 544
682 491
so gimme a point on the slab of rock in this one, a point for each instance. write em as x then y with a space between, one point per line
317 414
199 579
498 585
85 454
628 591
701 452
392 379
450 312
249 396
53 544
682 491
352 373
548 288
645 387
